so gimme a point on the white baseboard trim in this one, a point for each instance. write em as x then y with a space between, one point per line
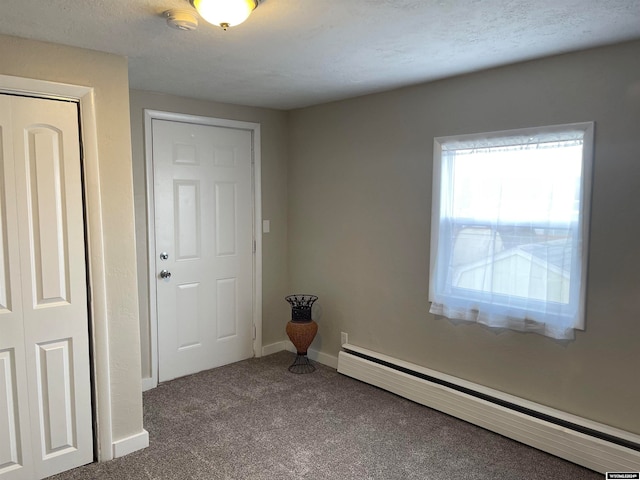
586 450
315 355
148 383
274 348
131 444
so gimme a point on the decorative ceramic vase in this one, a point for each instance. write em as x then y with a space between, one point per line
301 331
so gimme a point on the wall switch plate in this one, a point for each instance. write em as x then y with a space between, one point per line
344 338
266 226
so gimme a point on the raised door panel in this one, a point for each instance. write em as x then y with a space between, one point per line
226 218
10 308
10 445
226 307
55 398
187 217
47 219
188 304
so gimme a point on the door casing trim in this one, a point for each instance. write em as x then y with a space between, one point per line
254 128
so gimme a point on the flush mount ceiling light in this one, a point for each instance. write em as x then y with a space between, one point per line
225 13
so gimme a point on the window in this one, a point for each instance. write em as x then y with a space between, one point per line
510 228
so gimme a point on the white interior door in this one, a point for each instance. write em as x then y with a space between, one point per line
204 239
45 396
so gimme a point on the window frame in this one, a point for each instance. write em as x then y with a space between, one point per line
487 139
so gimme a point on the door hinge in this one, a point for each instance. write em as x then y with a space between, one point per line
254 245
254 331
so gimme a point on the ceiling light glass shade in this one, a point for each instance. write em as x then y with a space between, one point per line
225 13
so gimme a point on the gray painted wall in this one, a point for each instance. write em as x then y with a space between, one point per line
359 224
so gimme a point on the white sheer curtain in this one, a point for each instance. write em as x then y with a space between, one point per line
508 229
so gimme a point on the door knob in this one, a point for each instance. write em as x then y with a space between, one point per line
165 274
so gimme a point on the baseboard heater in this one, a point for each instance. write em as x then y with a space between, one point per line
591 444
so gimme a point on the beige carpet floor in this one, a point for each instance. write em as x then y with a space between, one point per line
254 420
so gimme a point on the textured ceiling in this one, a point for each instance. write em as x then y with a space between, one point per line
294 53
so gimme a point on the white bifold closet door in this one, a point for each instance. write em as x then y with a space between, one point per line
45 391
